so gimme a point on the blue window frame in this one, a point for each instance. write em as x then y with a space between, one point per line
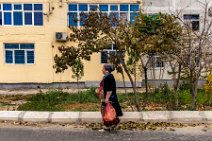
30 57
17 7
38 18
114 15
17 18
19 53
27 46
9 56
28 7
72 7
20 14
11 46
132 16
19 57
82 18
124 16
7 18
124 7
0 18
104 57
113 7
7 6
73 19
83 7
103 7
38 7
93 7
106 53
28 18
134 7
126 11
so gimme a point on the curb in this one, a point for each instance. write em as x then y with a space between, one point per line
149 116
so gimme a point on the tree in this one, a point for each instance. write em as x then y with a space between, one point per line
98 31
154 35
115 34
78 71
195 52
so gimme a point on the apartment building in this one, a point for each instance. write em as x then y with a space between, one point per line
190 11
32 30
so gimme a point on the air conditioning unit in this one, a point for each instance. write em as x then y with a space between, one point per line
61 36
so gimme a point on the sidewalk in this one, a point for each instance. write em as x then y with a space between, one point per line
150 116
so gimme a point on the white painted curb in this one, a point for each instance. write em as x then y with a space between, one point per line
149 116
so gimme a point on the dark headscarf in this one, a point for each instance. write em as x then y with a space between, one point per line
109 68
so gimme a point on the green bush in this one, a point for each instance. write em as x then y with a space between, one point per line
50 100
56 100
38 106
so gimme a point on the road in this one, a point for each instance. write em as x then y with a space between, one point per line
81 134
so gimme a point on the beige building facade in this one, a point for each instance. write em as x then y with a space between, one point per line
28 41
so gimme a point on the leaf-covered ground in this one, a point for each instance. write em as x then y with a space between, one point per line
134 126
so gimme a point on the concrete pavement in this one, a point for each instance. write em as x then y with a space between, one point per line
149 116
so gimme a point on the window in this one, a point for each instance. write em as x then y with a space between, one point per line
21 14
7 18
28 7
157 62
72 7
93 7
103 7
127 12
124 7
17 7
83 7
134 8
111 51
0 18
0 14
192 21
7 6
133 16
113 7
38 14
19 53
17 18
72 15
73 20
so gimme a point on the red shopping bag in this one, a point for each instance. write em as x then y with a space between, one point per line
109 113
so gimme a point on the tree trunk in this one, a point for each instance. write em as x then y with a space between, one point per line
130 77
133 86
124 85
77 85
146 86
176 84
146 79
135 74
194 93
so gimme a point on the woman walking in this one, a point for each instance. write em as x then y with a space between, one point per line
108 87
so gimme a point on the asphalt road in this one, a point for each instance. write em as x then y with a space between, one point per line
65 134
